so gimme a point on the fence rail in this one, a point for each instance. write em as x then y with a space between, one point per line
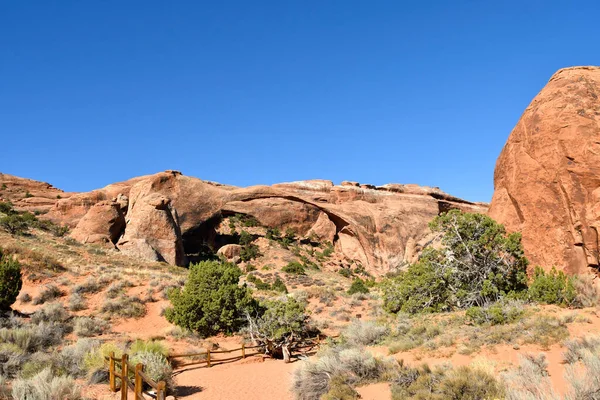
125 370
139 378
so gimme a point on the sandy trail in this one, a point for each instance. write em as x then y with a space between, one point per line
250 379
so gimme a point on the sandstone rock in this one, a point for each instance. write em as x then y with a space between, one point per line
231 252
103 223
170 215
324 229
548 174
29 195
152 231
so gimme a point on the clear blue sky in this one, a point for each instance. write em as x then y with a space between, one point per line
258 92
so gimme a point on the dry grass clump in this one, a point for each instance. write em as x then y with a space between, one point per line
124 306
77 302
46 386
445 383
91 285
50 292
337 366
587 294
53 312
364 333
530 381
89 326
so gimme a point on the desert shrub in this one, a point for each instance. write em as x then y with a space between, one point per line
6 207
345 272
14 224
334 367
584 377
46 386
587 294
72 358
11 281
502 312
339 389
90 285
211 300
468 383
77 302
31 338
149 346
50 292
294 267
273 234
97 359
279 286
279 324
156 366
364 333
89 326
479 263
578 348
258 283
53 312
115 289
552 287
124 306
358 286
530 380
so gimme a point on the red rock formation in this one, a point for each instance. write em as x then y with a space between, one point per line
547 178
29 195
104 223
169 216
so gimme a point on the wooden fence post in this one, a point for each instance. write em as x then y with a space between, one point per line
243 350
161 391
124 377
208 357
138 381
111 372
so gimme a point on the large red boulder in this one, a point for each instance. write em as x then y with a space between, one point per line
547 178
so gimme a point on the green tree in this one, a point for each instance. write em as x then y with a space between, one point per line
211 301
552 287
358 286
11 281
478 263
279 324
14 224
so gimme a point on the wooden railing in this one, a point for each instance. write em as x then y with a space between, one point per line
125 369
139 378
208 353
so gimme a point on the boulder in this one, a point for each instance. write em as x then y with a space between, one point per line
547 178
103 223
231 252
152 231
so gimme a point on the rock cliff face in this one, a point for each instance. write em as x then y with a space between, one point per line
547 178
172 217
29 195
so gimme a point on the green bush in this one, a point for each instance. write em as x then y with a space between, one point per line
502 312
279 286
478 264
280 319
552 287
11 281
358 286
211 300
294 267
14 224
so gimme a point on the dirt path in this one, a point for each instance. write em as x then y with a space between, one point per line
250 379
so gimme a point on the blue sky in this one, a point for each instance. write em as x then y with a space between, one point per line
258 92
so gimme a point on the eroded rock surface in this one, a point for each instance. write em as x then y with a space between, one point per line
547 178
